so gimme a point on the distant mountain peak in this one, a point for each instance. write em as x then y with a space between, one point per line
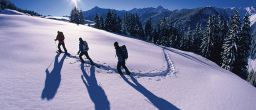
160 7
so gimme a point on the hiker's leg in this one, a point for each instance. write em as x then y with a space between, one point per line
81 57
126 69
88 57
64 47
59 44
119 67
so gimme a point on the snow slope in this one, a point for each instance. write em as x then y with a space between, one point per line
34 77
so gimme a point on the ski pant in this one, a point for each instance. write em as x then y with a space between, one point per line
63 45
122 64
87 56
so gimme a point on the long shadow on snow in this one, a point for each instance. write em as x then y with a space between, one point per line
96 93
159 103
53 78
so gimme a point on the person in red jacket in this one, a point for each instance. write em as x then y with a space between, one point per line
60 37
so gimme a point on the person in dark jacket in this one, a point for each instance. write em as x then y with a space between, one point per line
121 59
83 50
60 37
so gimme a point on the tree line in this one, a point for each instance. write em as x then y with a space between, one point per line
225 42
77 16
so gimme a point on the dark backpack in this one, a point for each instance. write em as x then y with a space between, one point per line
85 46
124 51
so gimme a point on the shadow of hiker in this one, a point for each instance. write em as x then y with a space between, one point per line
53 78
158 102
96 93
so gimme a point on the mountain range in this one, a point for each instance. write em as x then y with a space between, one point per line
177 18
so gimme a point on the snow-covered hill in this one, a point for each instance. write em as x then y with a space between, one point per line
11 12
34 77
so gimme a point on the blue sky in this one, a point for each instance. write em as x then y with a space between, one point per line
63 7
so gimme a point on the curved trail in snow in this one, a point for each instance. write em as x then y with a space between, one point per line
170 69
190 57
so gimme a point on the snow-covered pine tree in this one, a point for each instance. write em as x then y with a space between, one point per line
148 30
198 35
189 40
208 39
229 54
243 49
76 16
109 22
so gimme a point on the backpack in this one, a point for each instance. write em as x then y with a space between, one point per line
124 51
85 46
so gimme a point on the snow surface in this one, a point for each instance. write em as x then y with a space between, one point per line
34 77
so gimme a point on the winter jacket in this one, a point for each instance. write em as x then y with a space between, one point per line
60 37
119 54
83 46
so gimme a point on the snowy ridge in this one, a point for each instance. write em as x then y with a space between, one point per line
11 12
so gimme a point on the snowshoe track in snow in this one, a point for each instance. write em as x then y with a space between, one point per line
170 68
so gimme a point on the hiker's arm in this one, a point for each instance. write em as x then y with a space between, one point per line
57 37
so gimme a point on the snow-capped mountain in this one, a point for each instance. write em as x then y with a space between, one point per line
251 10
143 13
33 76
178 18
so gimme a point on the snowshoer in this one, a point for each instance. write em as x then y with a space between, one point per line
60 37
122 55
83 50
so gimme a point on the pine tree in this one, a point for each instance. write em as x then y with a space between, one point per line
74 16
149 30
229 54
208 39
77 16
97 21
189 40
155 36
102 25
139 32
109 22
164 32
217 39
243 49
198 35
118 25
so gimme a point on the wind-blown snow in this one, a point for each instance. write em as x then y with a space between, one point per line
33 76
